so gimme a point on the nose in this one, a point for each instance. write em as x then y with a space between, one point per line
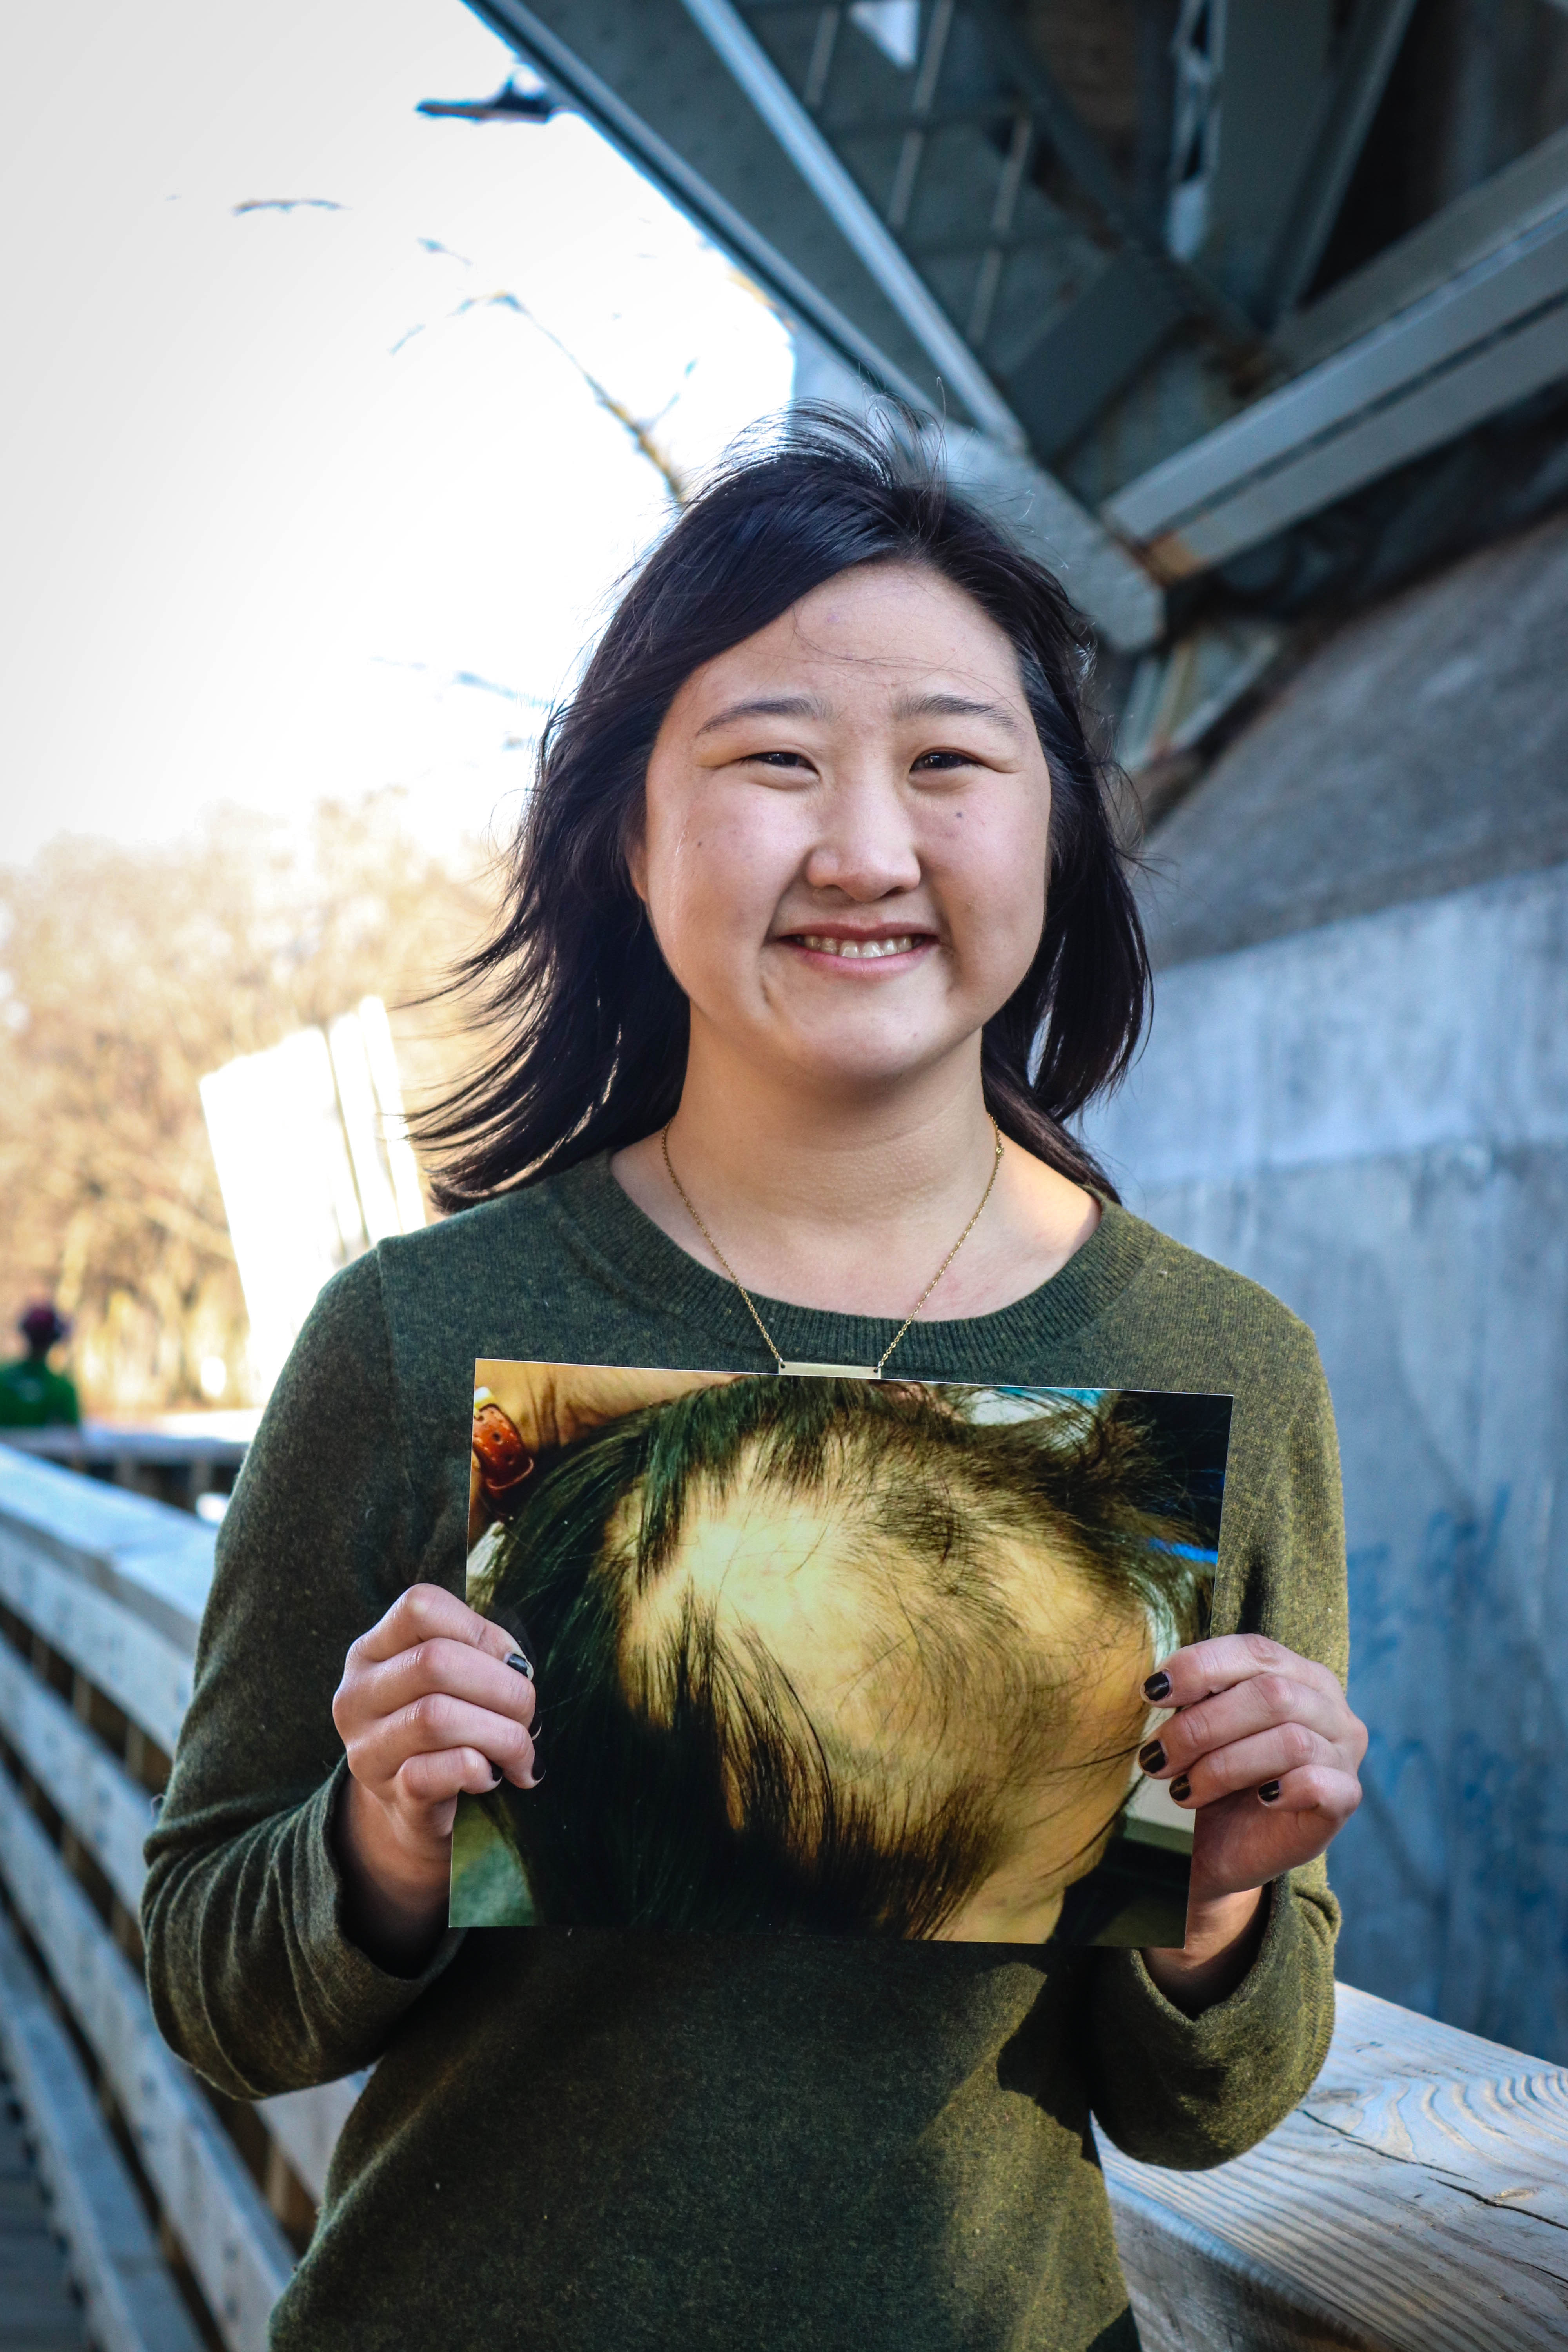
866 846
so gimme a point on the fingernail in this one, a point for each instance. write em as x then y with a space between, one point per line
535 1780
1152 1757
1157 1687
1180 1789
520 1664
496 1774
1269 1792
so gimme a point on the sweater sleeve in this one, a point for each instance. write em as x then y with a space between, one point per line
252 1976
1191 2092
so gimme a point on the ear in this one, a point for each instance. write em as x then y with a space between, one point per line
634 851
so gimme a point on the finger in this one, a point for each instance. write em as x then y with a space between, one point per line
1235 1713
1319 1800
1269 1756
476 1675
436 1722
1204 1667
428 1612
448 1772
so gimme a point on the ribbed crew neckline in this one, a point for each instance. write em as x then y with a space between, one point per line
629 1253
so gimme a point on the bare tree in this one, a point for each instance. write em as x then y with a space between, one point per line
129 973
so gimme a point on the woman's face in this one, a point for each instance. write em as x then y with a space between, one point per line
844 852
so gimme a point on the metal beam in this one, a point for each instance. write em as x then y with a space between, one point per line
581 87
1512 200
1345 111
835 189
1101 576
1493 335
1113 589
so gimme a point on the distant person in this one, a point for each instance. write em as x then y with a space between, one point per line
819 937
32 1395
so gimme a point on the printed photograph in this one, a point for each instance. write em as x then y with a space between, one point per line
829 1655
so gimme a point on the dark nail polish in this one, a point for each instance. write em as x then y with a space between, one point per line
497 1776
1180 1789
520 1664
1157 1687
1269 1792
1152 1757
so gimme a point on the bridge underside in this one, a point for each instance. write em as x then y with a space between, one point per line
1265 303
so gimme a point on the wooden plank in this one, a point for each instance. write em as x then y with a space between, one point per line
112 1813
306 2124
156 1562
1194 2292
130 2302
239 2256
109 1812
139 1667
1416 2201
37 2308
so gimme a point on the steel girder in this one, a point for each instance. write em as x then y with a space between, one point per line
914 187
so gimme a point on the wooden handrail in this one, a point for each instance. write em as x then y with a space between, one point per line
1416 2201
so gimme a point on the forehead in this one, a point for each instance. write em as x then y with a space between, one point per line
881 631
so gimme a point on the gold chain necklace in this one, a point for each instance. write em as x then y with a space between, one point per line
857 1371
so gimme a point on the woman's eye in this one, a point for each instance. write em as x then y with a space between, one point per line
776 759
940 762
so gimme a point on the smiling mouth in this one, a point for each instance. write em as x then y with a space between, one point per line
839 944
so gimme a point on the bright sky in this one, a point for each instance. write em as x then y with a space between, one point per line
291 504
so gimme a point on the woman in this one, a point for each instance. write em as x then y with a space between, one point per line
818 936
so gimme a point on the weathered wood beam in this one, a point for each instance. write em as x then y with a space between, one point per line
110 1814
239 2256
1416 2201
128 2299
131 1662
306 2124
108 1811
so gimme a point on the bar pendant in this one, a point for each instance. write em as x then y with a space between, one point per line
829 1371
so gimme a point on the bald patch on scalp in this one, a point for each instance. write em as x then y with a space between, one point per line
911 1667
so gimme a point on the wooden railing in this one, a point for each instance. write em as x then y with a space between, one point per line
1416 2201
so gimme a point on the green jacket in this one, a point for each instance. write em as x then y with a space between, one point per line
34 1397
578 2140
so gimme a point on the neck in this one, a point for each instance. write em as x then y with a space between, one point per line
845 1163
849 1199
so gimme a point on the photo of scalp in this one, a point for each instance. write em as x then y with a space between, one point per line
837 1655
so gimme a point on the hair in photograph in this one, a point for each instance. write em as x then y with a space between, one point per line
790 1685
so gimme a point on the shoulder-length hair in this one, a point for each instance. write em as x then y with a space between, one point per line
589 1027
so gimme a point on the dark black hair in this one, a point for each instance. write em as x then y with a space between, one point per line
587 1027
709 1800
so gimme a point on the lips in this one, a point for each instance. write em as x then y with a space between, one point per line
840 943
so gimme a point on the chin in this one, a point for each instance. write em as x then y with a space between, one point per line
863 1064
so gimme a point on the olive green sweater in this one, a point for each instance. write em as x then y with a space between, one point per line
577 2140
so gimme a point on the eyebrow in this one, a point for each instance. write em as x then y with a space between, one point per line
905 706
954 706
768 706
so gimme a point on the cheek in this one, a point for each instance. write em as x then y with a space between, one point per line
995 865
713 866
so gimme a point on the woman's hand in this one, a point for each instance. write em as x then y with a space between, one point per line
1265 1748
434 1702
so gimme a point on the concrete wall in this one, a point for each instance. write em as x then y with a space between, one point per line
1371 1118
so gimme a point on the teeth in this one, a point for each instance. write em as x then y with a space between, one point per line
823 945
